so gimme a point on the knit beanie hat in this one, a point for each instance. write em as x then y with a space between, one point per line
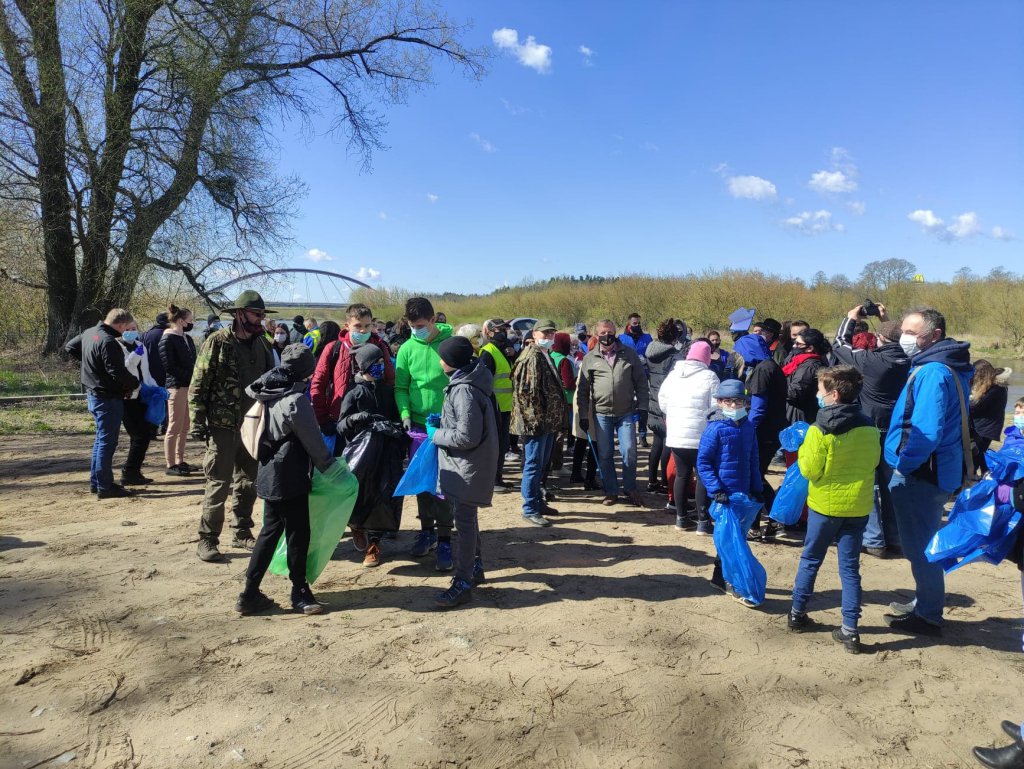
700 351
456 351
366 355
298 361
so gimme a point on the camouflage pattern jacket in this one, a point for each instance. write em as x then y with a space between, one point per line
216 397
538 402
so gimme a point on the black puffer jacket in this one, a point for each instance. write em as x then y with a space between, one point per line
661 358
988 413
802 392
178 356
885 372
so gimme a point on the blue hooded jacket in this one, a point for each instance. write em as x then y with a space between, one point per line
727 456
926 418
753 349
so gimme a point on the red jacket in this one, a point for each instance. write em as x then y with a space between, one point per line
329 387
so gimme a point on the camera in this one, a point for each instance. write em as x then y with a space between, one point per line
869 308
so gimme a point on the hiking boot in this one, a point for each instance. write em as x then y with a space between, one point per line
207 551
877 552
913 625
800 623
770 532
743 600
114 492
444 557
459 593
536 519
134 479
1010 757
704 528
372 557
683 522
850 641
176 470
609 500
253 603
243 539
359 540
425 541
304 603
899 609
478 571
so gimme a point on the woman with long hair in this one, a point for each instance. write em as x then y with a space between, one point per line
662 354
801 370
989 395
178 354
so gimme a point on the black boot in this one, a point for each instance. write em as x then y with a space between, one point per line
131 473
1010 757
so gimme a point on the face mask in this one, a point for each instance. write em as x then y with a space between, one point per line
735 414
499 338
517 347
359 337
635 327
421 333
909 344
376 371
821 402
188 327
1018 422
547 344
130 336
280 338
607 339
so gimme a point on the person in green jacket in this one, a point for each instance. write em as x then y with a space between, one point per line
838 458
419 391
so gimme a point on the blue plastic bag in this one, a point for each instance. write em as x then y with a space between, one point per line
791 497
793 436
980 528
421 475
155 398
1006 465
739 566
975 508
330 441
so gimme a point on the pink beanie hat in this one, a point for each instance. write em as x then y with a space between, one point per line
700 351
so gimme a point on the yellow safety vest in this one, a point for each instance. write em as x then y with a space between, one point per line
315 336
502 377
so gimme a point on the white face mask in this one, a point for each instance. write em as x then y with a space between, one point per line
547 344
909 344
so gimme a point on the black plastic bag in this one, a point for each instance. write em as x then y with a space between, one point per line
375 456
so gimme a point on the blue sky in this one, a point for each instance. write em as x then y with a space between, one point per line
784 136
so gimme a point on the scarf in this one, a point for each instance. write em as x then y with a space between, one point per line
794 364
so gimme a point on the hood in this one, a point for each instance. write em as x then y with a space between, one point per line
443 332
956 355
1003 379
275 384
752 348
658 351
478 376
841 418
689 367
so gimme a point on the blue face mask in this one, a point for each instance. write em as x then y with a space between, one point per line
735 414
1018 422
130 336
821 402
421 333
376 371
359 337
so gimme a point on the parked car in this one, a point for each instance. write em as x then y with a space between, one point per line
522 325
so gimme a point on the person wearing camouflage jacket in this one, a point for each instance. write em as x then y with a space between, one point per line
230 360
538 413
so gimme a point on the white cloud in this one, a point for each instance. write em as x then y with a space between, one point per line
382 215
926 218
317 255
514 109
813 223
431 197
857 207
964 226
529 53
751 188
367 273
1001 233
483 143
721 169
825 182
586 53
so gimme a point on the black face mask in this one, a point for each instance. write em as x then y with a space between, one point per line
189 327
634 328
607 340
499 338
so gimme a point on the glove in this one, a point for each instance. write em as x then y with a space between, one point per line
722 498
433 420
407 424
585 424
330 427
200 433
431 429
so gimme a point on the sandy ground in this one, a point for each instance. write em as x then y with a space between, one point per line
595 643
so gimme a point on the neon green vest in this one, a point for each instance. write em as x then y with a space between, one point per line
315 336
557 357
502 377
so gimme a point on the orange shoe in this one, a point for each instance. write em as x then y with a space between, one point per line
372 557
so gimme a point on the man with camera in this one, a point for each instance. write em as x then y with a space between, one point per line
885 370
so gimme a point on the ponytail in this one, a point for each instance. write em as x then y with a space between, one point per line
176 313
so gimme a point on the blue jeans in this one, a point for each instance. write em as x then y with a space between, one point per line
608 427
108 413
919 506
536 455
822 531
881 530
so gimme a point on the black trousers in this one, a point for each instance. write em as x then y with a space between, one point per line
580 452
290 516
686 465
140 433
504 421
658 458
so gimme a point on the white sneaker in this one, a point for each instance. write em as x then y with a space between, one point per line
902 609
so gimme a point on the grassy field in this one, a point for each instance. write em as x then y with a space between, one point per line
57 416
26 372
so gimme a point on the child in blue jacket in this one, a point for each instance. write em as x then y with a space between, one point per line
727 459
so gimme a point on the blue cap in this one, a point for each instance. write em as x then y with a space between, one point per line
731 388
741 319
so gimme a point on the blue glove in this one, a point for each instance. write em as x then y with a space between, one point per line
433 420
431 429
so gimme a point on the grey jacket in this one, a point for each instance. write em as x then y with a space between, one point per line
613 390
468 438
292 438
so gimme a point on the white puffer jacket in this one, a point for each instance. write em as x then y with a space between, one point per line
686 397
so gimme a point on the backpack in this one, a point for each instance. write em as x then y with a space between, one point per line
254 428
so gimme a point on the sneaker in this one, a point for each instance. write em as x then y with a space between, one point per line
913 625
800 623
704 528
459 593
900 609
877 552
176 470
187 468
304 603
208 551
444 557
754 534
743 600
253 603
536 519
478 571
244 540
134 479
609 500
502 487
114 492
359 540
850 641
684 522
511 456
372 557
655 488
644 442
769 533
425 541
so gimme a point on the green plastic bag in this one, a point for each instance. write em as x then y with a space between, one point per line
330 506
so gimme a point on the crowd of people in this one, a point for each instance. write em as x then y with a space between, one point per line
899 416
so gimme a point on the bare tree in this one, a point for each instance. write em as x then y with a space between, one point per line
882 274
121 121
